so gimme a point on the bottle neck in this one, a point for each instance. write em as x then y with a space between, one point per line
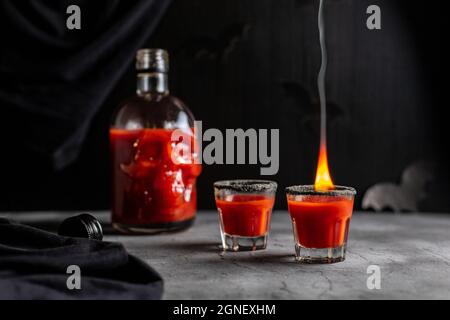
153 82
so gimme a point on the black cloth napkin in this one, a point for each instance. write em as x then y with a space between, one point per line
33 265
54 80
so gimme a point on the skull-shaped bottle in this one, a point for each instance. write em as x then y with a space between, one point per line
154 154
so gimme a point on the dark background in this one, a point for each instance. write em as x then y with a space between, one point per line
253 64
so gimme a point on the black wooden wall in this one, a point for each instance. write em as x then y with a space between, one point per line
254 64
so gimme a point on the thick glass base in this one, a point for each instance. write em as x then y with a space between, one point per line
153 228
238 243
321 255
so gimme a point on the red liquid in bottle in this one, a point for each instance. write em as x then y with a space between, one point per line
246 215
149 188
321 221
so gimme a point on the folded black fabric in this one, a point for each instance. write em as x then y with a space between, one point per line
54 80
33 265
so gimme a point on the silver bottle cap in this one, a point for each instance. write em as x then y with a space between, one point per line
152 60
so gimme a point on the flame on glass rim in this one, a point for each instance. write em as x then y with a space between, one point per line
323 177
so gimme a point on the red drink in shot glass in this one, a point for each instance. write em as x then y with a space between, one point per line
320 222
244 207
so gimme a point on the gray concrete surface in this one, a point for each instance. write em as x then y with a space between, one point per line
412 251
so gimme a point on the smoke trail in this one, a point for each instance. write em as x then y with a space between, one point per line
323 177
321 78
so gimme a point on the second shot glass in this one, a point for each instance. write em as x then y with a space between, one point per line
320 222
245 208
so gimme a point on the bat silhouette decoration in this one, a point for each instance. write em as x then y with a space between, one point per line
218 47
305 108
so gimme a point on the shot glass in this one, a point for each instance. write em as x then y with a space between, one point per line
244 208
320 222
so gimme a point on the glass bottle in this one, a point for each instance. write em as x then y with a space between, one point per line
154 154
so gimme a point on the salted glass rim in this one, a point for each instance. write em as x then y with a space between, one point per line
311 190
246 185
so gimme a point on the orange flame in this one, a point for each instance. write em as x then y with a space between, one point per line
323 178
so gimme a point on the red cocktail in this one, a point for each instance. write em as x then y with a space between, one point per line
150 189
244 207
320 221
246 215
